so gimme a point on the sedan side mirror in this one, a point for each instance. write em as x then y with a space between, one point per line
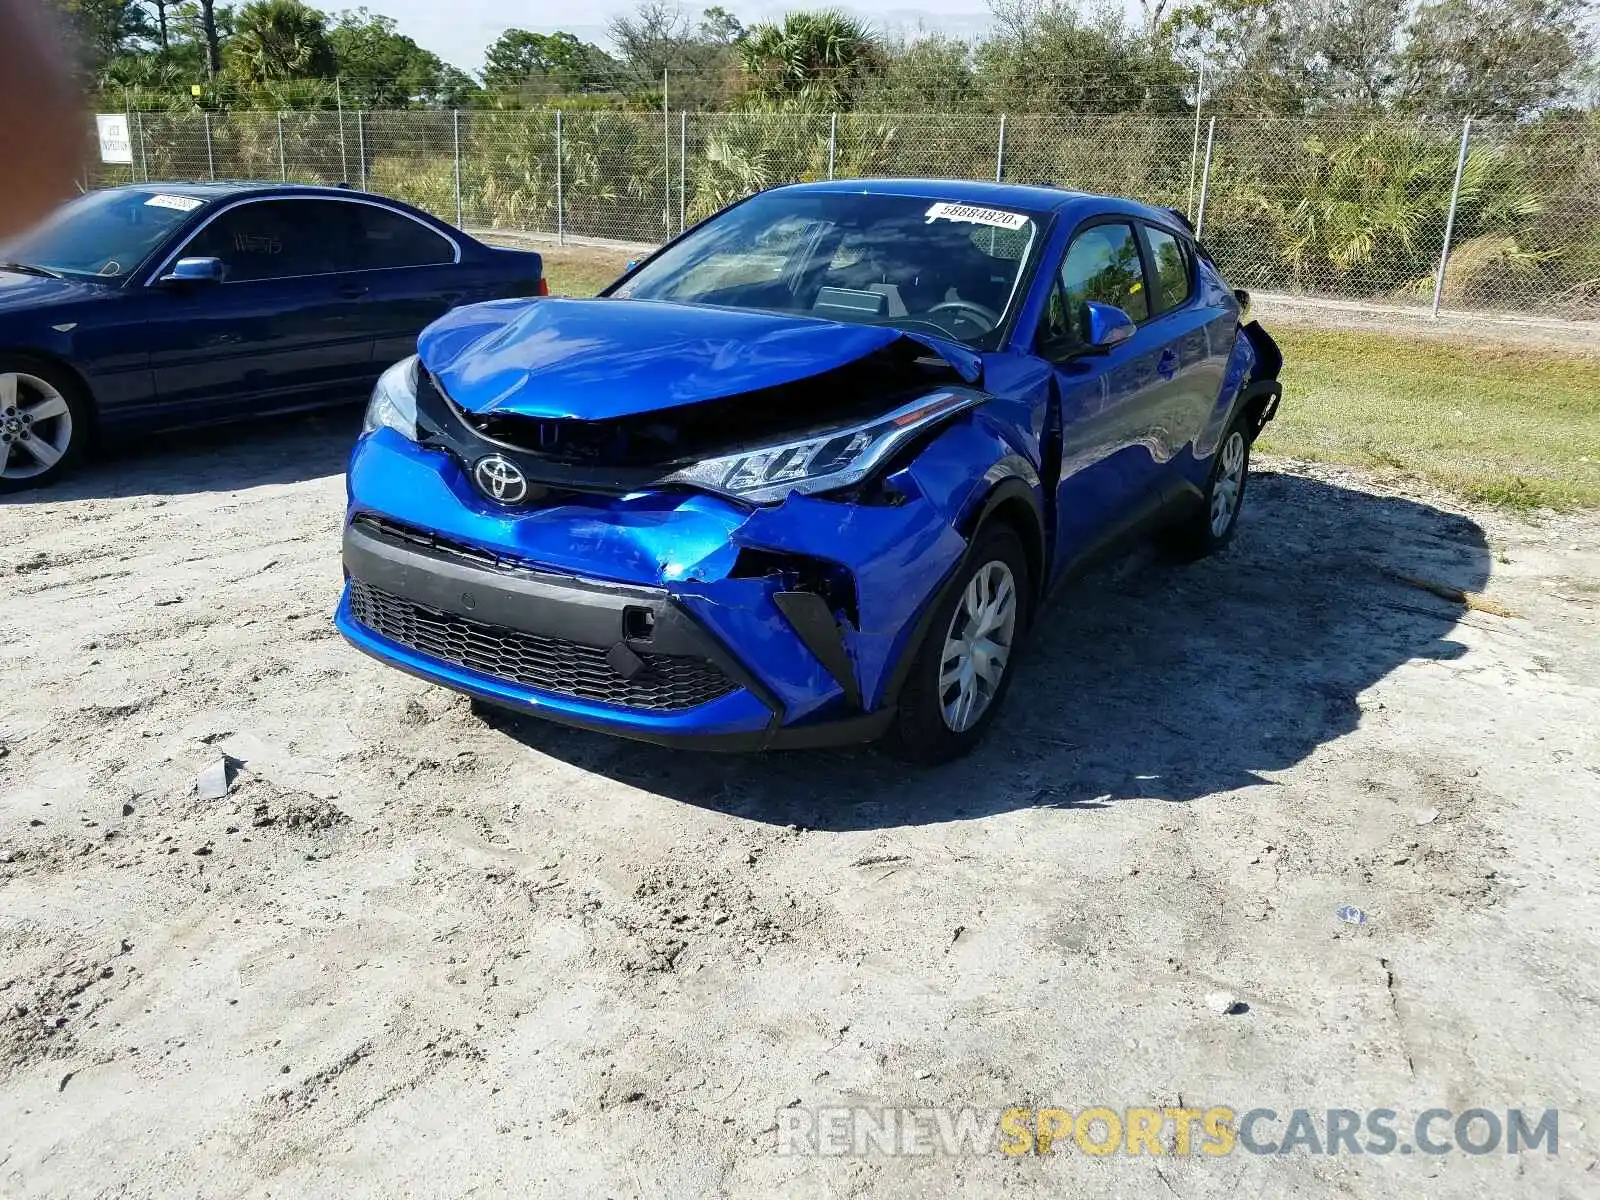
194 270
1108 325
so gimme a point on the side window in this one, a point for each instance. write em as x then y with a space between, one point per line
1103 264
391 239
1171 263
278 239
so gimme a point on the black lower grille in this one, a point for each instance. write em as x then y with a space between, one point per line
668 683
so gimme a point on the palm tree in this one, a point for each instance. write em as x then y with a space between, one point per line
811 56
280 39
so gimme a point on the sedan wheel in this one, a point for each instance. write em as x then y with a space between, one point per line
978 646
35 426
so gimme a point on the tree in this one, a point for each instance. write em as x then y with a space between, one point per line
562 62
720 27
1493 58
658 37
276 40
1046 57
819 57
104 28
932 74
379 67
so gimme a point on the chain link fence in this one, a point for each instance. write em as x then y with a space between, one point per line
1375 211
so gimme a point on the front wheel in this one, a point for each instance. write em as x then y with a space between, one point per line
967 659
43 423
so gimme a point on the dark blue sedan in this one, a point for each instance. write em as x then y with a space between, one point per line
186 304
807 474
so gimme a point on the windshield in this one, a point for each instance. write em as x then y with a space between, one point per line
911 262
103 234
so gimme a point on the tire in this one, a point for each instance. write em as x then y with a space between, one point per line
44 423
1209 529
931 726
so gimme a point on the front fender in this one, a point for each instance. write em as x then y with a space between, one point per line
898 553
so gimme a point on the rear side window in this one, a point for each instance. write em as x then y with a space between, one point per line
391 239
279 239
1173 275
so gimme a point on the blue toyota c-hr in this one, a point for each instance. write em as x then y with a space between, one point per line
805 475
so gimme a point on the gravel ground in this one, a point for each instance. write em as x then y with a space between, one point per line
414 953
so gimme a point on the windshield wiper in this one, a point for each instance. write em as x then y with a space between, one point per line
23 268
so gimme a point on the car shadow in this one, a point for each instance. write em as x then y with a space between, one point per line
1146 679
266 450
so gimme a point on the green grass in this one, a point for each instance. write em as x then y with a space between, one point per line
1513 426
1517 427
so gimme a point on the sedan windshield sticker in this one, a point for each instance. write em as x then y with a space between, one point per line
945 211
181 203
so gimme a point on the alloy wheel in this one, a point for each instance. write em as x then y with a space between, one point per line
1228 484
977 646
35 425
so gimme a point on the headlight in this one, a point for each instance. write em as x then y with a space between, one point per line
394 400
825 461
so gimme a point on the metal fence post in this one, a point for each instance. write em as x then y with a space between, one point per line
344 158
1000 154
144 153
211 158
1205 179
1194 146
455 129
561 223
1450 220
283 162
833 139
683 161
361 147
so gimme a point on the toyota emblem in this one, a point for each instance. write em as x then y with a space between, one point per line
500 479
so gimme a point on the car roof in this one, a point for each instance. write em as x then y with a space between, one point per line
228 188
1038 198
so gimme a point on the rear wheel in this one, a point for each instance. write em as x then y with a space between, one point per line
1210 527
967 659
43 423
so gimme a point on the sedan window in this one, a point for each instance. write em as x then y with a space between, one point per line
103 235
391 239
279 239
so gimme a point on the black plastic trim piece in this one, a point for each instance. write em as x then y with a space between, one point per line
814 621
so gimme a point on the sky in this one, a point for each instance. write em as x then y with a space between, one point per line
459 30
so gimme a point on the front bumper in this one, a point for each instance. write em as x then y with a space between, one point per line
804 663
616 658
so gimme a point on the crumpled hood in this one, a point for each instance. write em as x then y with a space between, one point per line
597 359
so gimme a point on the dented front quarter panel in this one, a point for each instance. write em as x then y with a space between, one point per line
898 555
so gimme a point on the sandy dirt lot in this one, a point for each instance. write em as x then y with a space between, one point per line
415 953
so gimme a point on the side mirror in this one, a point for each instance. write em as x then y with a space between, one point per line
194 270
1108 325
632 263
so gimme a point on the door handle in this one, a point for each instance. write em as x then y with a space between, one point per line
1167 365
353 291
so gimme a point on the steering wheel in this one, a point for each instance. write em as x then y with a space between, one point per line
969 310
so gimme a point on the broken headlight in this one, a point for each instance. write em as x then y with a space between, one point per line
394 400
825 461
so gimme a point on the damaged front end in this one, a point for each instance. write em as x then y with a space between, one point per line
734 572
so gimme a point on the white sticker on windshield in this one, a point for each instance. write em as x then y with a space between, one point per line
944 211
181 203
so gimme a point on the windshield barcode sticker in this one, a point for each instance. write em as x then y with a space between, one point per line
181 203
945 211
